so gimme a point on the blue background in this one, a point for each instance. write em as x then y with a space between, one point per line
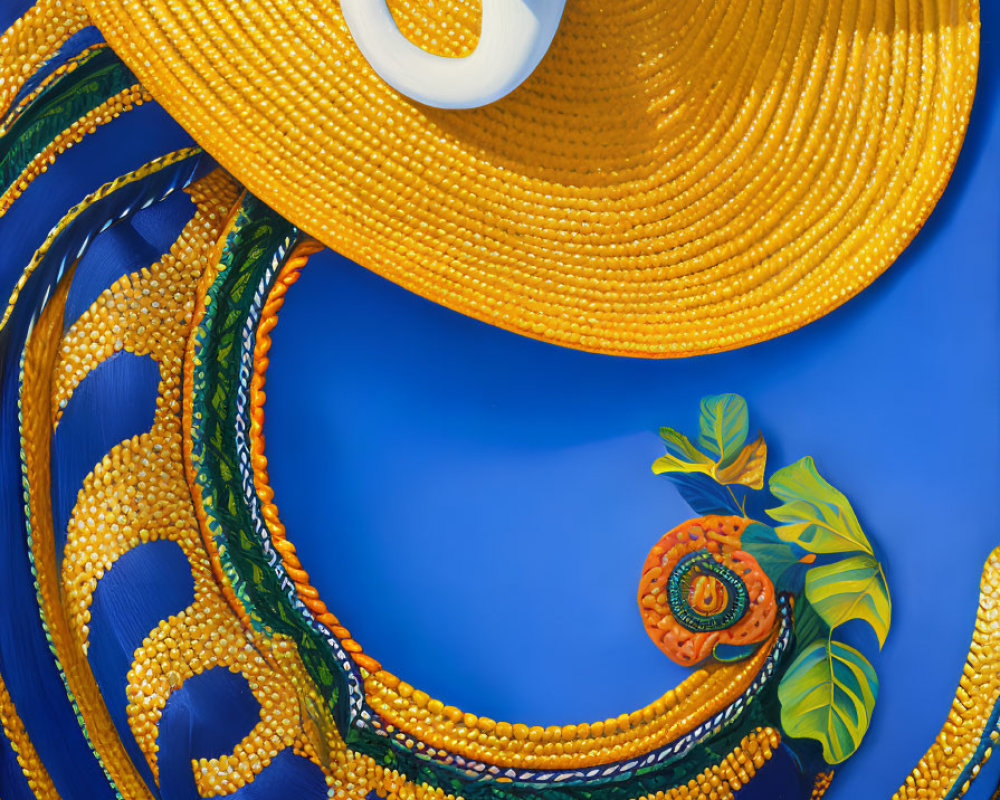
476 506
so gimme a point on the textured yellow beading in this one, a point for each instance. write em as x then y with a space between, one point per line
977 694
33 39
142 488
27 757
40 353
675 178
112 108
417 715
139 493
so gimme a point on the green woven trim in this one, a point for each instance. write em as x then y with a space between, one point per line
99 76
258 241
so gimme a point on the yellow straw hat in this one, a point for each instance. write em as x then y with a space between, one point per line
676 177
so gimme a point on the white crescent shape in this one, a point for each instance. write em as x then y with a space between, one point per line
515 36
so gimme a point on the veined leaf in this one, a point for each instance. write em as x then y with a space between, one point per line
816 516
808 624
828 694
748 467
775 556
853 588
724 426
682 456
680 446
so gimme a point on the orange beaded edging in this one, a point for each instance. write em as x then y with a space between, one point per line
418 715
262 345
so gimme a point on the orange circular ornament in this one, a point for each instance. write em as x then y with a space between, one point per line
699 589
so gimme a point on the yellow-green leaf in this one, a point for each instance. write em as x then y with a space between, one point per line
774 556
828 694
816 516
853 588
680 446
724 426
748 467
669 463
682 456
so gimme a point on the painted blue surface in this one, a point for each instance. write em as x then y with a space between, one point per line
134 139
205 718
174 755
475 507
146 585
25 661
126 248
160 225
288 775
778 779
113 403
190 728
224 711
28 668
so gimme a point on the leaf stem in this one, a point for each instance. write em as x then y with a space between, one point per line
737 503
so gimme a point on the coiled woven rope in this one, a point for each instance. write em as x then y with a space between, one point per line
675 178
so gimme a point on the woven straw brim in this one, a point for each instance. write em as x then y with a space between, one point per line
676 177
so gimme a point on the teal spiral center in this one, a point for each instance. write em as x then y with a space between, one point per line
695 575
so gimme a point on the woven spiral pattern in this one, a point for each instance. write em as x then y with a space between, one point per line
700 554
675 178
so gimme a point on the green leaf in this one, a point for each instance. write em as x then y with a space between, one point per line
669 463
705 495
748 467
816 516
808 624
680 446
828 694
853 588
724 426
774 556
682 456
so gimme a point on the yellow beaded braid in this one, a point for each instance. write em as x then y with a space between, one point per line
33 39
36 437
139 493
27 757
977 694
417 715
734 172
